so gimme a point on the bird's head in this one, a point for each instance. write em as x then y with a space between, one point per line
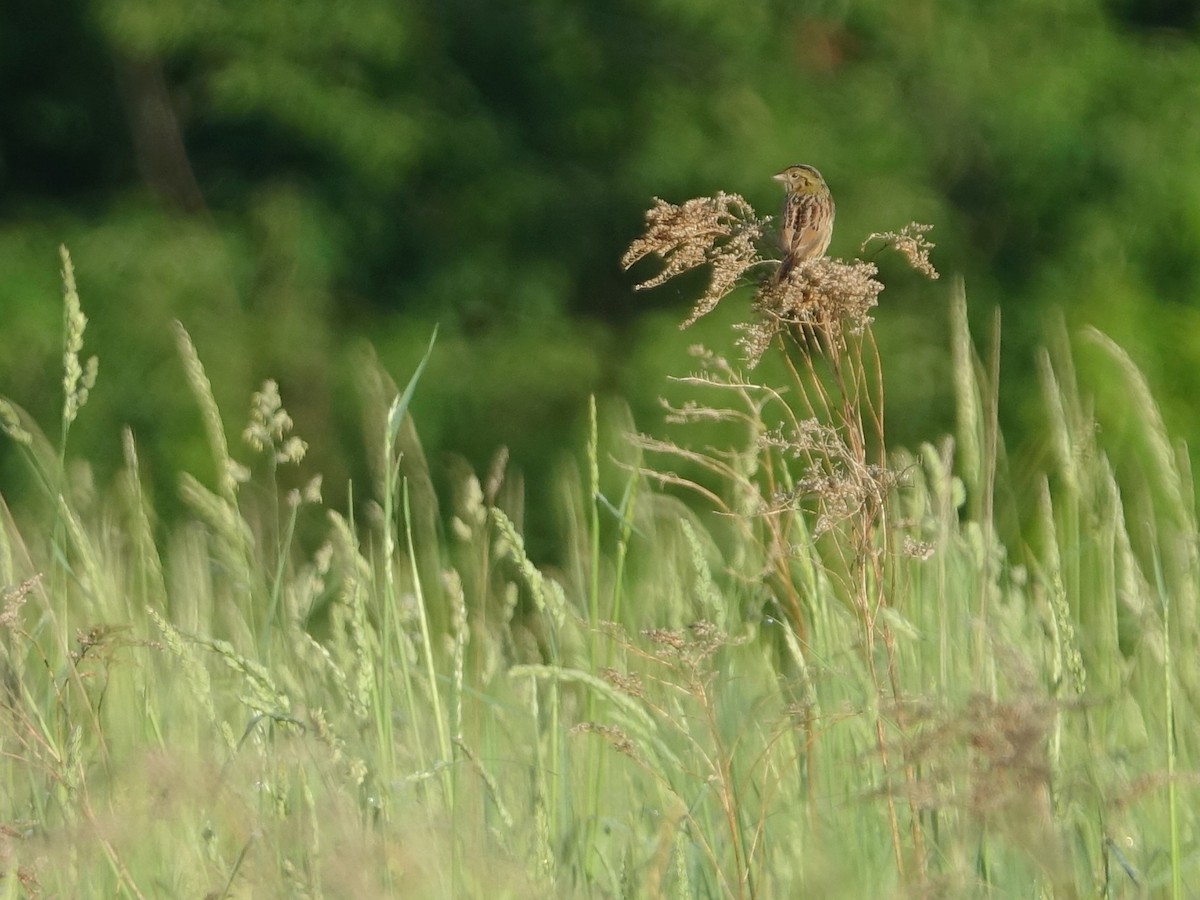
801 179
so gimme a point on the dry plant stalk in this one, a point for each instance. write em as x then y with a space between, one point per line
811 486
831 424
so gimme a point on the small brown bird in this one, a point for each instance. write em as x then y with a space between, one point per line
807 221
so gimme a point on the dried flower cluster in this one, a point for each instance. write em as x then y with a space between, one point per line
721 230
616 737
911 243
14 599
997 748
819 302
630 684
821 299
841 483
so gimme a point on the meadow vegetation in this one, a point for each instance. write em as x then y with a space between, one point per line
776 657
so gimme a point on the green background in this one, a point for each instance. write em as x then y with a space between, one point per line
307 184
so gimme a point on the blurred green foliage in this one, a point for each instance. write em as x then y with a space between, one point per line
291 180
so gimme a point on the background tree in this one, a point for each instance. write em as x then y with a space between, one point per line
289 179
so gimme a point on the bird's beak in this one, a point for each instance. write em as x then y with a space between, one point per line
782 176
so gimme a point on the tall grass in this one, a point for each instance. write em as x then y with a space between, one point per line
776 659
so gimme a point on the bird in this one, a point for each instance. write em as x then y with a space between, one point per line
806 224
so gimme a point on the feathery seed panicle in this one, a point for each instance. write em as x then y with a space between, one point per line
229 473
78 380
690 646
820 295
269 426
311 492
841 485
721 230
547 593
14 599
911 243
10 424
626 683
616 737
984 757
195 674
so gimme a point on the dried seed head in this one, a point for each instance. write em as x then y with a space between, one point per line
911 243
822 296
721 230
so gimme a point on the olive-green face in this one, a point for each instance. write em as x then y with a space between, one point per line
799 178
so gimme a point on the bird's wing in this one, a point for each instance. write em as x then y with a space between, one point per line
802 235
